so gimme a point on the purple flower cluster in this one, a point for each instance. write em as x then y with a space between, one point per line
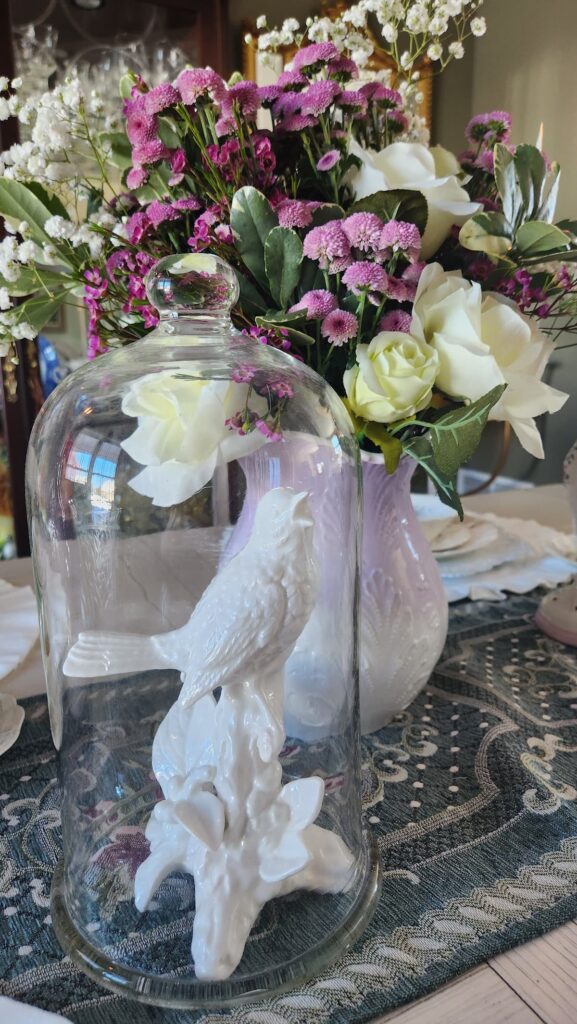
359 238
488 129
528 295
95 290
483 132
156 213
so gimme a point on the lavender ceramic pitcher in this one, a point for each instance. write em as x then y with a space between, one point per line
403 608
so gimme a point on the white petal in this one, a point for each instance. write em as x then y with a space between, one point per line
173 482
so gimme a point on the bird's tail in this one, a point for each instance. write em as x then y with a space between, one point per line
110 654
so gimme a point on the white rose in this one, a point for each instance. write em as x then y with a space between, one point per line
393 379
181 433
482 340
413 166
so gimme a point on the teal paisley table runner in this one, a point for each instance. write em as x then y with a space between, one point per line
472 796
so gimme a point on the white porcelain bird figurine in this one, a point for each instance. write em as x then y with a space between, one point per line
246 622
226 817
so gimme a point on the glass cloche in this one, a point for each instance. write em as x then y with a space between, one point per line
200 652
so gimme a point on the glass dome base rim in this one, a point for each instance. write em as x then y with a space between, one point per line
174 993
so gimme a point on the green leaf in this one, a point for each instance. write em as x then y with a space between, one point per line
325 213
531 174
38 310
51 202
251 301
456 434
311 276
119 150
395 204
126 83
390 446
28 281
419 448
167 133
288 320
546 209
486 232
19 202
537 238
507 184
282 319
568 225
251 219
283 255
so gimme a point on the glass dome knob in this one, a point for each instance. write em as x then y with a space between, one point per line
192 284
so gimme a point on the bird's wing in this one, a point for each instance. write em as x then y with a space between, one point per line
109 654
226 633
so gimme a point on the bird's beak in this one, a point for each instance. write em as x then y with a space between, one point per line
300 509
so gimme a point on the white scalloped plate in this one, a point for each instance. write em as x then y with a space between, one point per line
18 625
515 578
479 536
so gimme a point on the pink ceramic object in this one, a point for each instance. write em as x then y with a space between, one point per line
403 607
557 614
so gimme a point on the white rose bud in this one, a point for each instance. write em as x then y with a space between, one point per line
393 379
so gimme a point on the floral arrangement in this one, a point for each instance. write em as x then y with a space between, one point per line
422 286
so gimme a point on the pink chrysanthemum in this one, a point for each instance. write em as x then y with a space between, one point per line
287 103
316 304
162 96
328 160
354 99
396 320
389 98
269 93
365 277
486 161
400 236
343 68
193 83
189 203
339 327
136 177
317 53
329 246
244 97
296 213
363 231
297 123
150 152
404 288
225 125
158 212
290 79
318 97
140 126
489 128
136 226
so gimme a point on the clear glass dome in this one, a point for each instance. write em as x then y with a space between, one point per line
200 652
